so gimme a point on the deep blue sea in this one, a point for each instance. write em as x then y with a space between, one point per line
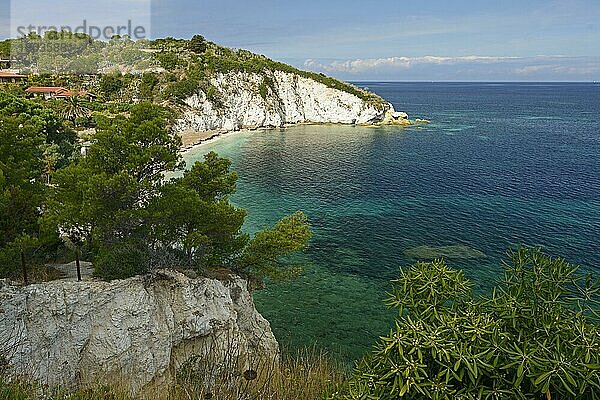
501 164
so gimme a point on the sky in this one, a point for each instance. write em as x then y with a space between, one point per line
467 40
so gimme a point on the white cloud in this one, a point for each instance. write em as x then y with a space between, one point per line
558 69
462 67
400 63
532 69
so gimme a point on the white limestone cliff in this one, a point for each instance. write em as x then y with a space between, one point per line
289 99
138 331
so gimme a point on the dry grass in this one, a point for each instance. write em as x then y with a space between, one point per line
308 374
36 274
45 273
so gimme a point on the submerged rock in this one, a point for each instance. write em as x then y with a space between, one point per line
399 115
137 331
448 252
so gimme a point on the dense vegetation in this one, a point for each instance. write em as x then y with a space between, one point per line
34 143
115 207
537 335
75 53
125 66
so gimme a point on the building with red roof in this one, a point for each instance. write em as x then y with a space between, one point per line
48 92
11 77
53 92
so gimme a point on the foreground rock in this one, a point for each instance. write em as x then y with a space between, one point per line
136 332
289 99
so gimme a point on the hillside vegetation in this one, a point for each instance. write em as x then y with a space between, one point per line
163 70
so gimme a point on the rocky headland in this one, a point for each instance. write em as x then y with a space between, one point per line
289 100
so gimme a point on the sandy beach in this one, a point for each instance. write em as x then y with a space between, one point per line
192 140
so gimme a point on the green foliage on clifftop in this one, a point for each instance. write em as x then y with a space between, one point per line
198 60
118 70
220 59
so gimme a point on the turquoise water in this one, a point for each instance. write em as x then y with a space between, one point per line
500 165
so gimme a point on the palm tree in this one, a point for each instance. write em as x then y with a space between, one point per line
74 108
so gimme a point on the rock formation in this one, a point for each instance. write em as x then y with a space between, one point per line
239 103
138 331
392 117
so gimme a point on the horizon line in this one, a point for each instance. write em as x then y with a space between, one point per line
464 81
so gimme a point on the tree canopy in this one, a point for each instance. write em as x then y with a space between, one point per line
117 203
33 144
21 189
198 44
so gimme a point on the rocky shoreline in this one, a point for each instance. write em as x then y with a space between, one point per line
192 139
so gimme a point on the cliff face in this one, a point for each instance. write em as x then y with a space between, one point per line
137 331
248 101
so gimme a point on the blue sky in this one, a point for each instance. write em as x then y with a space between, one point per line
389 40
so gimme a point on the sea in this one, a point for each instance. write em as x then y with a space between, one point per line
500 165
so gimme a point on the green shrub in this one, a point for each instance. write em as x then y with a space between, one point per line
16 390
111 108
82 121
149 81
265 85
121 261
168 43
211 93
111 84
182 89
5 48
168 60
197 44
10 262
263 90
536 336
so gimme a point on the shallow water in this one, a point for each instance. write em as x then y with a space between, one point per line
500 165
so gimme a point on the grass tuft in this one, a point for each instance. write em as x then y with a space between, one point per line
308 374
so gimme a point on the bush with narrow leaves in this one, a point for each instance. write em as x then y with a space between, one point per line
536 336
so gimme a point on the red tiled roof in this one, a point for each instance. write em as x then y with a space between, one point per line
46 89
11 75
66 94
69 94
